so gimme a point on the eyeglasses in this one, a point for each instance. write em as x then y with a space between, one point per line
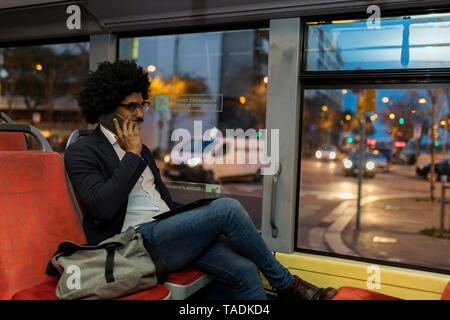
132 106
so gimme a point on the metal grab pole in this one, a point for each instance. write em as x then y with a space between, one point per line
361 165
443 182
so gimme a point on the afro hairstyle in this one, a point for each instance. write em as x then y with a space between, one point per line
105 88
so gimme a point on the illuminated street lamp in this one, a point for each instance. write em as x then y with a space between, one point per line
151 68
348 117
422 100
344 91
324 108
39 67
392 116
242 99
385 99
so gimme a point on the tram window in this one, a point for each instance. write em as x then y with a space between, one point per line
397 213
421 41
38 85
201 85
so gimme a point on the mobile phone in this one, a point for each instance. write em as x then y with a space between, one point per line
107 120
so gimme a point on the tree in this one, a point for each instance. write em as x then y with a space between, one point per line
256 100
40 74
401 109
177 85
433 106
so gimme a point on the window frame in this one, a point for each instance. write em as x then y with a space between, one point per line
373 73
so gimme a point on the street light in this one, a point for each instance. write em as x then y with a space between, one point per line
242 99
324 108
151 68
344 91
385 99
392 116
422 100
39 67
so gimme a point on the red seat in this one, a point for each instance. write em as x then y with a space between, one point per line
12 141
36 214
46 291
351 293
446 293
184 283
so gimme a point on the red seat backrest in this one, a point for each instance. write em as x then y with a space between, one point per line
446 293
36 214
12 141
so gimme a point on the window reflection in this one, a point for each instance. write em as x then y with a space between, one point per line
403 42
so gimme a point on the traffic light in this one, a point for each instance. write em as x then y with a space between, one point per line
401 121
350 140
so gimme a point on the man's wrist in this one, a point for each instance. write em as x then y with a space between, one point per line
136 152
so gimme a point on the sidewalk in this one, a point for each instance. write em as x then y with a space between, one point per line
389 230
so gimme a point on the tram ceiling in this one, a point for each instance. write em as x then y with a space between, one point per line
160 15
46 19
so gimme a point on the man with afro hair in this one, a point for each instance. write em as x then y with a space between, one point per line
116 179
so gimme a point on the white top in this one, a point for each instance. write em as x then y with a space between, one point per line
144 201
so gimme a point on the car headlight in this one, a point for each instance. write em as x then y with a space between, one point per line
348 164
332 155
318 154
370 165
167 158
194 162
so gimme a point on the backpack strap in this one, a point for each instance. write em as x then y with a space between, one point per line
161 268
68 248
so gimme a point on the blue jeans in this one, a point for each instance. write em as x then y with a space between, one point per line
220 239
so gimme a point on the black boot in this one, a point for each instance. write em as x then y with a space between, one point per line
302 290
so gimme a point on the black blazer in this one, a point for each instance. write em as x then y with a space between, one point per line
102 183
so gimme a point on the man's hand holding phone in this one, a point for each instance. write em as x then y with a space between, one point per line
129 137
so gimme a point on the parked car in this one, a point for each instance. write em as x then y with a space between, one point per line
440 168
351 164
197 169
326 153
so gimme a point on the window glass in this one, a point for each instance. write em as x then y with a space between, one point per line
38 86
202 85
402 131
396 43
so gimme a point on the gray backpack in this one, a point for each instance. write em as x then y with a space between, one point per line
118 266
